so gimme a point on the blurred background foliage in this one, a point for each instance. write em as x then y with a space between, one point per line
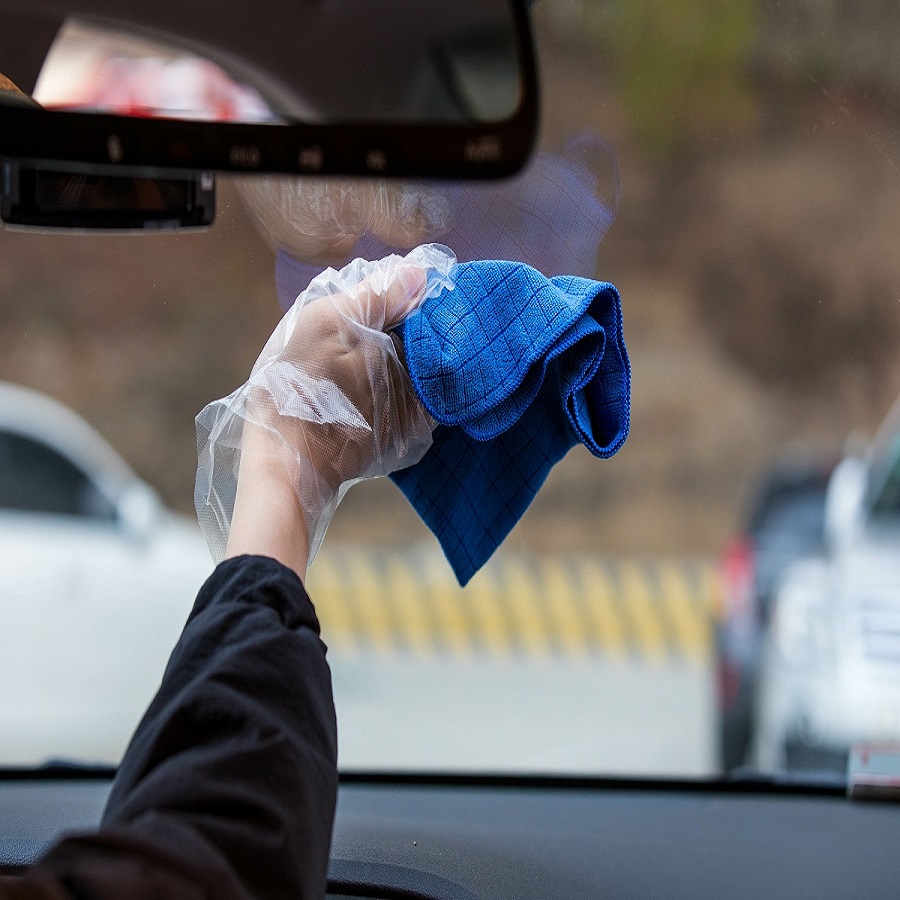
687 70
682 66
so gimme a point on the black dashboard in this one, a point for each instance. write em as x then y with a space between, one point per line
480 838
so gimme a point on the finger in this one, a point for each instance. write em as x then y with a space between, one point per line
404 294
381 308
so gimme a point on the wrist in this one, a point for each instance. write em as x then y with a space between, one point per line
268 519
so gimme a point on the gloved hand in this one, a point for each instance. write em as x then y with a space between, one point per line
328 403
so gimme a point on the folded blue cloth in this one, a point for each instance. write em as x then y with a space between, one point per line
516 368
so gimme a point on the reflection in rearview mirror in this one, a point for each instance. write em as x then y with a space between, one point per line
91 69
435 70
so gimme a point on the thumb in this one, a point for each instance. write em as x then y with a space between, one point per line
385 299
403 295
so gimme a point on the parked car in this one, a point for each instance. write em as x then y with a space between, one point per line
830 665
96 580
786 522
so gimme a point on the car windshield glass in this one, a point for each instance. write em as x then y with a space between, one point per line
733 169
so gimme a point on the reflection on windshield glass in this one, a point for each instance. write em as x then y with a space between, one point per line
717 594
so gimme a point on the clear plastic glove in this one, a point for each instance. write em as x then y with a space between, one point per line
328 403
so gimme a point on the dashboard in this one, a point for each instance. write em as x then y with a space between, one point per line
524 838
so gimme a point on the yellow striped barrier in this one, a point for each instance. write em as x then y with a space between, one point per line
389 601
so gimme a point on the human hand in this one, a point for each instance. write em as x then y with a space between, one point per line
328 403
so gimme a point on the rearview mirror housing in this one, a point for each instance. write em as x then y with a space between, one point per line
396 88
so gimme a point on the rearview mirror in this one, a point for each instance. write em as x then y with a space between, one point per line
357 87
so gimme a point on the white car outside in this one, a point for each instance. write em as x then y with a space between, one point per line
830 666
96 581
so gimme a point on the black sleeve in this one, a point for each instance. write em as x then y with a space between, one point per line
229 785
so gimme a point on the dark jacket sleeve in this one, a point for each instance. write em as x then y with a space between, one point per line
229 785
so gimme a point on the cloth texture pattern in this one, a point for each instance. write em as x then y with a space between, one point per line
516 368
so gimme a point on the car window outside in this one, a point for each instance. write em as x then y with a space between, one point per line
754 248
36 478
886 502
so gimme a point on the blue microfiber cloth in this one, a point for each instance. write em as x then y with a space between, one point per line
516 368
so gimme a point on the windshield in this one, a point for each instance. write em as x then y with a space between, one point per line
733 169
